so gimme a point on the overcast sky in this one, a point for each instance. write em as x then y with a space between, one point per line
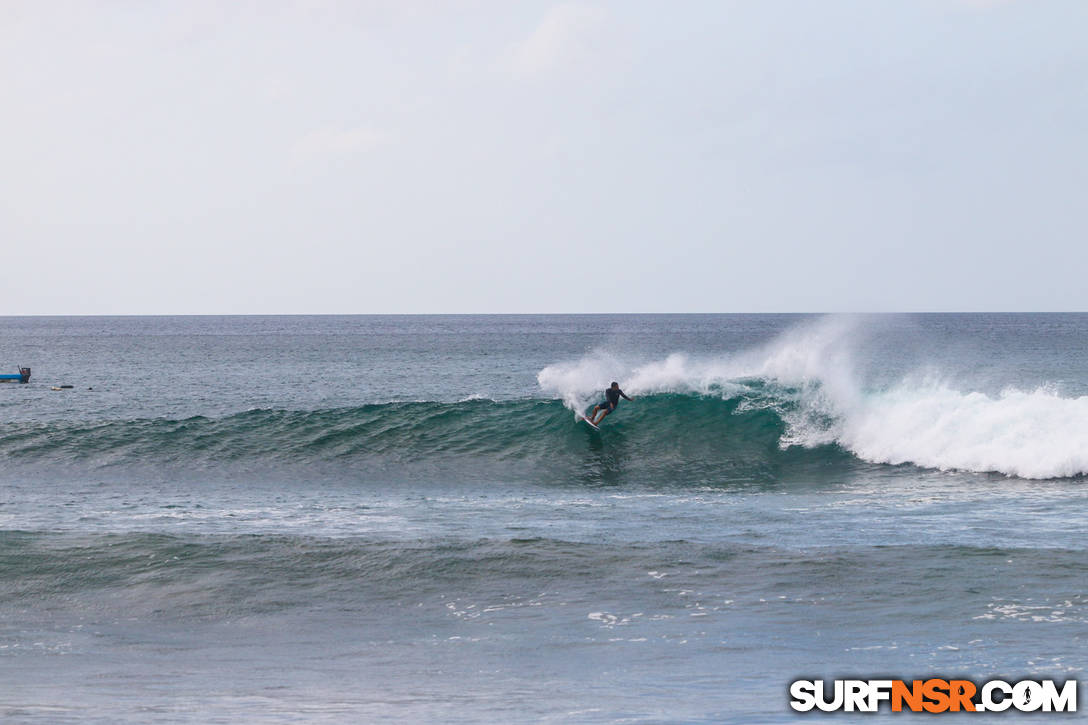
478 156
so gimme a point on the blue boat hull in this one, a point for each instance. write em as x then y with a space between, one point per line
22 377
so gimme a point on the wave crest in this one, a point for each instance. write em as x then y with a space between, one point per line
808 379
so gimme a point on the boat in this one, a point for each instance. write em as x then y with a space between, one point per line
22 377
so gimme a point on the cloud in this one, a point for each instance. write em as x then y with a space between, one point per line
560 37
337 142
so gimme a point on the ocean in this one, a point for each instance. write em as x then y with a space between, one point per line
342 519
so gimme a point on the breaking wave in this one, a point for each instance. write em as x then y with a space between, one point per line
808 380
794 406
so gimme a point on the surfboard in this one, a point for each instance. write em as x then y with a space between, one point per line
587 421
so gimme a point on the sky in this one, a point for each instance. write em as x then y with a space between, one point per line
477 156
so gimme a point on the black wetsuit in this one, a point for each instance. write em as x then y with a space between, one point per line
612 398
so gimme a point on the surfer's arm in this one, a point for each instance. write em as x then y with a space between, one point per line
625 396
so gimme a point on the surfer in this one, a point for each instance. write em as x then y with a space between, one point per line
612 397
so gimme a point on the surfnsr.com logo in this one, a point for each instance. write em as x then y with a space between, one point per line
933 695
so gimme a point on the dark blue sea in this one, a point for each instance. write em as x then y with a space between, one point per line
350 519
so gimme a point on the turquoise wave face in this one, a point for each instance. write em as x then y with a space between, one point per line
670 438
757 431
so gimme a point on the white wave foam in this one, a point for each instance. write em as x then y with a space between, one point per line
1031 434
924 421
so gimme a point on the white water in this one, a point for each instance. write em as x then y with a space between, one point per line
921 419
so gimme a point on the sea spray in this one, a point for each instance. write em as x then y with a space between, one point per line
808 378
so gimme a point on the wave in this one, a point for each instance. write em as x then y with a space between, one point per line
755 429
795 407
808 379
147 575
661 438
